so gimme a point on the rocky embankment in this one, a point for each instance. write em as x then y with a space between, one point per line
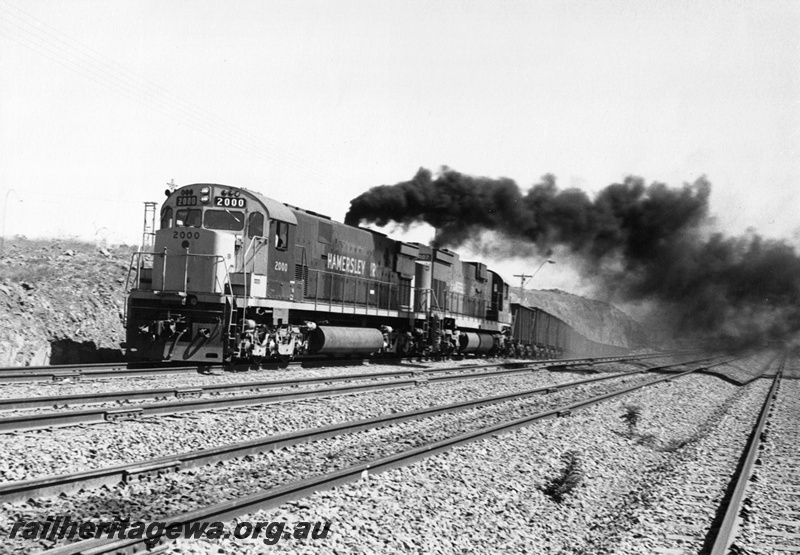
61 301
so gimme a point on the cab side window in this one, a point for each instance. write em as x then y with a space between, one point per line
166 218
281 236
255 225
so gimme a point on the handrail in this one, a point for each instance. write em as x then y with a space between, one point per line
244 273
338 286
346 291
216 257
436 300
137 255
387 295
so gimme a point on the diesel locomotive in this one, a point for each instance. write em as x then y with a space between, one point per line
235 276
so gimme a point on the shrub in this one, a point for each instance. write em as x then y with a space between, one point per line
632 416
570 478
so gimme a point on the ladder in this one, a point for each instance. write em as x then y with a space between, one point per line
148 234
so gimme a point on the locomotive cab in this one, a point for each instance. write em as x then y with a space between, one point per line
224 242
218 250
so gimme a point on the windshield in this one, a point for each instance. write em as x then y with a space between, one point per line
232 220
187 217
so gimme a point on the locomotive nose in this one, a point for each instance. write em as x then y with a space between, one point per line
192 260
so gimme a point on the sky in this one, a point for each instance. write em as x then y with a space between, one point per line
102 103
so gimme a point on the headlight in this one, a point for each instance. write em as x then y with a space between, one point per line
204 198
205 191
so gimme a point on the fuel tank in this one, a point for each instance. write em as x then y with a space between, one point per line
336 340
477 343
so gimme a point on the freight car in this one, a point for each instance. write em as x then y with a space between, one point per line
537 333
237 276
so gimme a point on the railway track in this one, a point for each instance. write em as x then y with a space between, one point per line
76 372
706 510
109 476
83 372
177 393
300 488
190 399
763 510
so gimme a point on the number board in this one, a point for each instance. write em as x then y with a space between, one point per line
186 201
230 202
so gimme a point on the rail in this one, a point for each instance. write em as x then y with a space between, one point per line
726 532
98 415
122 396
110 476
122 370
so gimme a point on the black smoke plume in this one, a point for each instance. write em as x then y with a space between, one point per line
637 242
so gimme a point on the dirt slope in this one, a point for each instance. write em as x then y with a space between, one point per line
61 301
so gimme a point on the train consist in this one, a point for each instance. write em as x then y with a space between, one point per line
236 276
538 333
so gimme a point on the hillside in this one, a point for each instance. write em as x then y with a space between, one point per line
596 320
61 301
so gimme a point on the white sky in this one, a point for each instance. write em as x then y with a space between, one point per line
313 102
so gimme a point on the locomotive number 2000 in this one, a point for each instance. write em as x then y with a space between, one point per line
281 267
229 202
186 235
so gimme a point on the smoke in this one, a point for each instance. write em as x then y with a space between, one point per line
646 244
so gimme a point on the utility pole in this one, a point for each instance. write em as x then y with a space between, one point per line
524 277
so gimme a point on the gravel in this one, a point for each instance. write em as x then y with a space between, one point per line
484 497
487 497
676 508
167 381
39 453
252 390
745 370
175 381
156 499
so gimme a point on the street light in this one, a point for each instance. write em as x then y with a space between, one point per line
5 206
548 261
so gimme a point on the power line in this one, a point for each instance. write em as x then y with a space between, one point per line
29 31
68 60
